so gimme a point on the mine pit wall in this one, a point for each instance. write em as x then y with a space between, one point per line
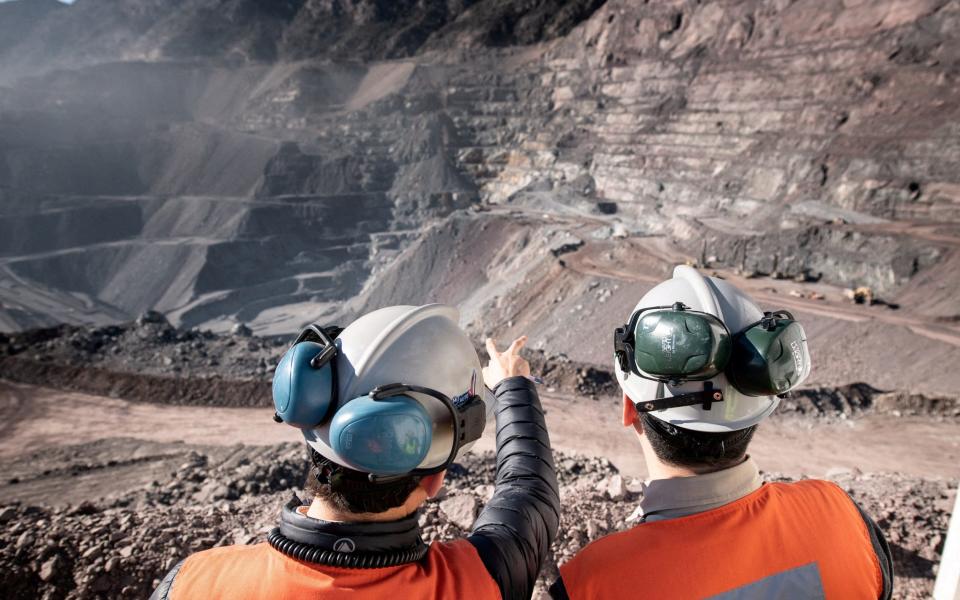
720 125
213 200
208 245
771 117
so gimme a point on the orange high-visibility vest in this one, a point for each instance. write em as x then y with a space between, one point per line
451 570
785 540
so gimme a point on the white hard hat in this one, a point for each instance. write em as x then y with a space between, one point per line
737 311
421 346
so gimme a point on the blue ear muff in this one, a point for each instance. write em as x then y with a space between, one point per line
302 394
382 437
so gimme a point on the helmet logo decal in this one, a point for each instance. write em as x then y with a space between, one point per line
470 393
344 545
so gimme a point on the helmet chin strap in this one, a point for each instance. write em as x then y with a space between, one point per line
705 397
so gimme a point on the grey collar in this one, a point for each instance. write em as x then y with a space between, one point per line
682 496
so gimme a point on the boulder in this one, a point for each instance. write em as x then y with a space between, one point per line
50 568
461 510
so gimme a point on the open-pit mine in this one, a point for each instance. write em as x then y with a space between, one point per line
182 189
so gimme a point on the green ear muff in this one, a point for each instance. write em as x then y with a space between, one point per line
677 343
770 357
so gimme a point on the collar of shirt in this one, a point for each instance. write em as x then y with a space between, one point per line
682 496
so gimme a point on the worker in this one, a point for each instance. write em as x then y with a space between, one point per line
700 366
386 406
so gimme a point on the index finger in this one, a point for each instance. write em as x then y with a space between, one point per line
517 344
492 348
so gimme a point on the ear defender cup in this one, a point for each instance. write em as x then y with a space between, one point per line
770 360
681 344
302 394
382 437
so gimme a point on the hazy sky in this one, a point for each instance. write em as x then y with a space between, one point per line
64 1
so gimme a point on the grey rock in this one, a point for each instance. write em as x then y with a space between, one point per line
50 568
595 529
214 490
635 486
7 513
615 487
461 510
241 330
485 491
152 317
25 540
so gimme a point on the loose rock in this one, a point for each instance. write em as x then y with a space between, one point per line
461 510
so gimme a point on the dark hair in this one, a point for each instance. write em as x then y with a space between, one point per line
352 491
700 451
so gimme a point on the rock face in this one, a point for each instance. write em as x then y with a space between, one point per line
262 163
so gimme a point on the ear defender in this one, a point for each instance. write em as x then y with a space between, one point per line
390 436
770 357
674 342
386 433
303 385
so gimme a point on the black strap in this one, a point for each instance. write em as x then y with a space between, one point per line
707 396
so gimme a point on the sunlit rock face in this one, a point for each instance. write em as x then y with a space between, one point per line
277 162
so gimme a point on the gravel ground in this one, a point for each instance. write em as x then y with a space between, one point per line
174 499
119 546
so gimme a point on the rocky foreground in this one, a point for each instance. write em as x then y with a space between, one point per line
119 546
107 519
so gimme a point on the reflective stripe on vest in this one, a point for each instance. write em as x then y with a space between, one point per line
452 570
785 540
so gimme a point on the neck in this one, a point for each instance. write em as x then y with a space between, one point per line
661 470
324 511
657 469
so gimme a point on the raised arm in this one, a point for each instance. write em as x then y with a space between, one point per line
516 527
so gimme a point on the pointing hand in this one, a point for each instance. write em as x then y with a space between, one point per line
505 364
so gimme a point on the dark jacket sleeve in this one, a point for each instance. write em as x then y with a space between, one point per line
514 531
163 590
882 550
